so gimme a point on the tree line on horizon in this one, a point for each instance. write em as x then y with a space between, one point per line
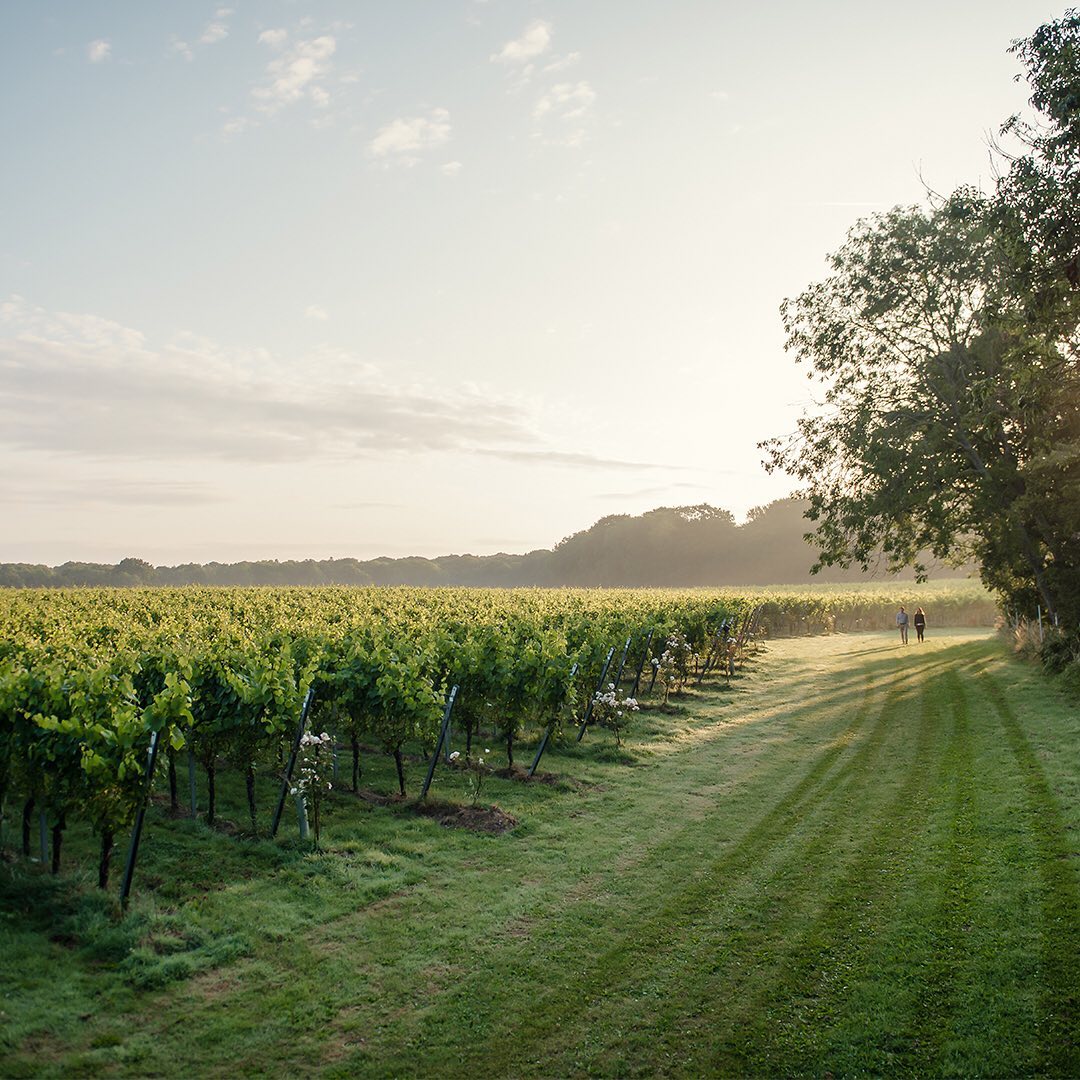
670 546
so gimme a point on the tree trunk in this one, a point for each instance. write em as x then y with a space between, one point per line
57 835
27 817
211 801
468 741
249 777
106 855
355 764
400 770
510 749
1038 571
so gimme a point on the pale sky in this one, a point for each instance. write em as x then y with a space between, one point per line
289 279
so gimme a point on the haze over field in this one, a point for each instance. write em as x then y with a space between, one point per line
324 279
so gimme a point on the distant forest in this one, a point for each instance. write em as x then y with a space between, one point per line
669 546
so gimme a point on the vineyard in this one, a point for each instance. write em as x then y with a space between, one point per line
92 681
96 684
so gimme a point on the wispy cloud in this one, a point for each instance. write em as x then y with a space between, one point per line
110 491
19 318
561 63
275 39
97 52
181 48
566 101
520 56
533 42
568 458
403 140
83 385
560 116
298 73
316 312
89 387
217 29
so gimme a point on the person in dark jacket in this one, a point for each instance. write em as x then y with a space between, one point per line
919 622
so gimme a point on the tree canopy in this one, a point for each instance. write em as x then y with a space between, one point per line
945 344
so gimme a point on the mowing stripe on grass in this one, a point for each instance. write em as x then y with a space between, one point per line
767 992
1059 900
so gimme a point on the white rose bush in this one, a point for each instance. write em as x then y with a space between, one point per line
675 663
613 710
312 778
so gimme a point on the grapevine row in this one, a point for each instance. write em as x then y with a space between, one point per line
86 677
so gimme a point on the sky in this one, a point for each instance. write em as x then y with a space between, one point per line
290 279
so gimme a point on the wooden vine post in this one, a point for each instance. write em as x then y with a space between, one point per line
622 661
444 730
641 666
547 733
287 781
140 817
599 687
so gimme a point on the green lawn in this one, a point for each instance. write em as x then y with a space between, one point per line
859 859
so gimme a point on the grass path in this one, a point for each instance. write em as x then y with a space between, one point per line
861 859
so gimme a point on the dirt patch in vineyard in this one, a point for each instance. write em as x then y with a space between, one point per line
516 772
487 819
549 779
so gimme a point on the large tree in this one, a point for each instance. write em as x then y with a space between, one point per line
945 344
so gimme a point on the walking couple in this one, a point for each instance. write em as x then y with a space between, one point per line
918 620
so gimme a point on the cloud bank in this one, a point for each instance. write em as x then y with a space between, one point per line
79 384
